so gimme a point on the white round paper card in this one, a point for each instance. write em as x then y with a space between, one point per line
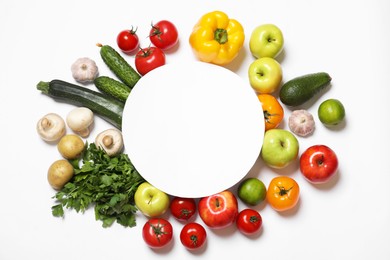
192 129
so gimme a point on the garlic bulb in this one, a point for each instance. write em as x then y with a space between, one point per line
84 70
301 122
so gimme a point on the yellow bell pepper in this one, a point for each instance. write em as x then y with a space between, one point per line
216 38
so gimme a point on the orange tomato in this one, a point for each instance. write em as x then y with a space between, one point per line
283 193
273 111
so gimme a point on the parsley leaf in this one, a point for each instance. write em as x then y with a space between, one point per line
107 183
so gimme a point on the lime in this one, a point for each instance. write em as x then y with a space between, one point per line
331 112
252 191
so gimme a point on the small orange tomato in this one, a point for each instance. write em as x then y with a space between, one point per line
283 193
273 111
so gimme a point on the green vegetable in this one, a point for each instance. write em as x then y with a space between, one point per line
112 87
108 108
108 183
301 89
119 66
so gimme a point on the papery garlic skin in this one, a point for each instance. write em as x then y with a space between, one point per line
84 70
301 122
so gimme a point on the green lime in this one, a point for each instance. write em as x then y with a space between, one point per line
331 112
252 191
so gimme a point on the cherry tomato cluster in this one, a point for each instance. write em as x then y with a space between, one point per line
163 35
158 232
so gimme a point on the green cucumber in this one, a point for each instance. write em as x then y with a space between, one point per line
112 87
301 89
119 66
108 108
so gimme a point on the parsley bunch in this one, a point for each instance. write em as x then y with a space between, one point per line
108 183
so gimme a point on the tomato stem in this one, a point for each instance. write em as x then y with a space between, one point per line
194 240
283 191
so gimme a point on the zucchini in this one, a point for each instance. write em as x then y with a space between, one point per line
112 87
119 66
108 108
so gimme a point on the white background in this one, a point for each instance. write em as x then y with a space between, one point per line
345 219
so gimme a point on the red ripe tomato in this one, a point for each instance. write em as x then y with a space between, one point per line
193 236
157 232
249 221
128 41
183 208
164 35
148 59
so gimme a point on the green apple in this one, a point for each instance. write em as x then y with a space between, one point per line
266 41
151 201
252 191
280 148
265 75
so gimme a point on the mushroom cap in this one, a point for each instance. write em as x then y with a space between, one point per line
111 141
51 127
79 119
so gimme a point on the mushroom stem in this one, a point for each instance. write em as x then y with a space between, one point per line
107 140
46 123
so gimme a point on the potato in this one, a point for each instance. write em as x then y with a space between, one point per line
59 173
71 146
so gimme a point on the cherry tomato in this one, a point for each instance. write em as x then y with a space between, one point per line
283 193
249 221
128 41
148 59
273 111
183 208
193 236
157 232
164 35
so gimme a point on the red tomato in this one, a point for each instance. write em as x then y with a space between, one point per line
128 41
193 236
148 59
249 221
183 208
157 232
164 35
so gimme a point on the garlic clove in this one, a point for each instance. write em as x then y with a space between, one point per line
301 122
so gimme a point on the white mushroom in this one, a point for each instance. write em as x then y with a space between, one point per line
84 70
111 141
301 122
80 120
51 127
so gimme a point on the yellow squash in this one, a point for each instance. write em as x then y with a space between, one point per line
216 38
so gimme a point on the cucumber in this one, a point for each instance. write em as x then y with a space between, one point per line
108 108
112 87
119 66
301 89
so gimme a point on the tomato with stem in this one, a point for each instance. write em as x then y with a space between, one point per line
249 221
183 208
148 59
272 109
164 34
283 193
157 232
128 41
193 236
